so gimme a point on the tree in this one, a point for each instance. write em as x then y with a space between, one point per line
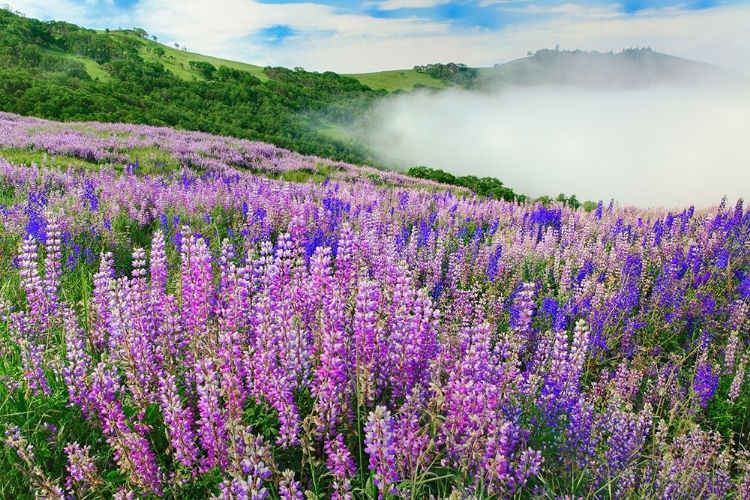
205 69
159 52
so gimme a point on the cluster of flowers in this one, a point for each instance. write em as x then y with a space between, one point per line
404 342
122 143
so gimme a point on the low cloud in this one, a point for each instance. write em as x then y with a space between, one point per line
657 146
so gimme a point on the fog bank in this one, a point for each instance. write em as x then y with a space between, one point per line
656 146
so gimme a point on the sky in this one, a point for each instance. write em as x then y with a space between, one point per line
373 35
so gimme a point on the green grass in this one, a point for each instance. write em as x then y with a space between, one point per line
399 79
304 175
177 60
92 68
335 131
151 161
26 157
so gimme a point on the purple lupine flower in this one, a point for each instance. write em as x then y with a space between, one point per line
52 266
705 383
22 329
102 295
36 226
197 289
46 488
79 362
158 267
251 466
32 282
739 379
410 437
524 305
623 434
560 389
212 433
276 365
89 198
179 421
82 472
290 488
342 467
379 446
133 452
529 464
366 343
695 464
413 336
229 311
332 388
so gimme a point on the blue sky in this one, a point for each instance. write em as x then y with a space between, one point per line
372 35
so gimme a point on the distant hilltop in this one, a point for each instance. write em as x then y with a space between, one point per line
630 68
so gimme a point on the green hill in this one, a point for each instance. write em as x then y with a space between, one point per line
61 71
177 60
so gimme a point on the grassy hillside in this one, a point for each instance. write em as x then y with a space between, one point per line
402 79
177 60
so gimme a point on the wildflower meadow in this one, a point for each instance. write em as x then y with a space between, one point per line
199 317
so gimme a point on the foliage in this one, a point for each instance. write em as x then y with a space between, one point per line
485 186
451 73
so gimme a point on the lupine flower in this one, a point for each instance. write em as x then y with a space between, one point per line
44 486
705 383
179 421
82 472
342 467
212 433
379 446
289 488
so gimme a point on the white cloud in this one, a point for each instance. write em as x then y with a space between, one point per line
408 4
66 10
328 38
487 3
569 9
718 36
225 28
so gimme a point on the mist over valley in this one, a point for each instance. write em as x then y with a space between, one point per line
650 131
